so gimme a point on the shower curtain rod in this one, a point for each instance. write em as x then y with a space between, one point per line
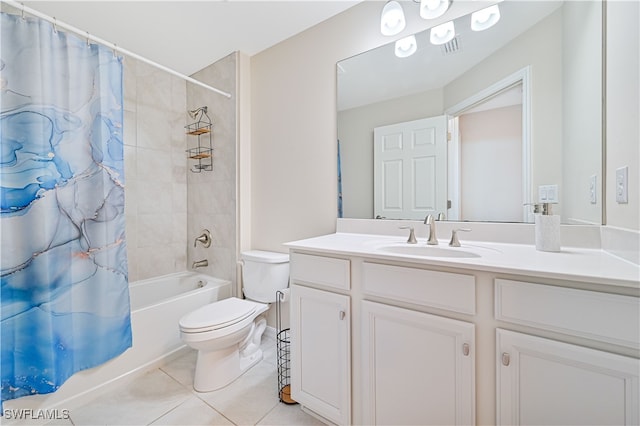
84 34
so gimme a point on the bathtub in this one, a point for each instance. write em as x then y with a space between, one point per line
157 304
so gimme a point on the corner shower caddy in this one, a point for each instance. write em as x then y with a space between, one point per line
201 128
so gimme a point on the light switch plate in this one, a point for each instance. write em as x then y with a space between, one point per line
548 193
622 190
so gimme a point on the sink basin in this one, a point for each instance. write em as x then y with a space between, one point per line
428 251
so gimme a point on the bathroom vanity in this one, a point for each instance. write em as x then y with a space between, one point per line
385 332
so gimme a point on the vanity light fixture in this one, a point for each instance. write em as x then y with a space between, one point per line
431 9
406 47
392 20
442 33
485 18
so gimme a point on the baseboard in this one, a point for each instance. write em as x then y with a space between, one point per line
269 333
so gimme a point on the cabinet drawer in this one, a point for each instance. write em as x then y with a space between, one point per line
444 290
605 317
326 271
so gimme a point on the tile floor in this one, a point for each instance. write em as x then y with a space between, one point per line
165 396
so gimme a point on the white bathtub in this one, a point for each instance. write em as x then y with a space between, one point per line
157 305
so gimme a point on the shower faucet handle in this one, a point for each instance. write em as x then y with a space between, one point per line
204 238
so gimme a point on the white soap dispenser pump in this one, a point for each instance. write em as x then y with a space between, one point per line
547 228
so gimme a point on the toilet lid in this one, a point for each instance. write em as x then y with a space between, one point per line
218 315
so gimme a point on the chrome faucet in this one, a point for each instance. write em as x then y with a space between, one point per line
455 242
200 264
431 223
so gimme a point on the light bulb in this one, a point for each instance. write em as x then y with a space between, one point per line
485 18
406 47
442 33
392 19
431 9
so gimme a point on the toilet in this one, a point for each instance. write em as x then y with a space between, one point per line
227 333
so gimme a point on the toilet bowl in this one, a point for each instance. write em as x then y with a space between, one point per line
223 333
228 333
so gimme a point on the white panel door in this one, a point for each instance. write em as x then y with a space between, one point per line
410 169
545 382
418 369
320 352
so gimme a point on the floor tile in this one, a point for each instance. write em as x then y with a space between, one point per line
249 398
284 414
182 368
195 412
60 422
268 347
138 403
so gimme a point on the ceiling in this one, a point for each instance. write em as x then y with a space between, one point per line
190 35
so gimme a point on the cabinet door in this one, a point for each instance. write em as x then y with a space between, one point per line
418 368
545 382
320 352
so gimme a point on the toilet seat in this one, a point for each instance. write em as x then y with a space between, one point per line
217 315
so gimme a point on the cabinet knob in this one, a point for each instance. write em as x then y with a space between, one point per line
465 349
342 315
506 359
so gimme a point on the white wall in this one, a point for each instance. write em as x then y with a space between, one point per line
491 139
623 110
582 127
293 107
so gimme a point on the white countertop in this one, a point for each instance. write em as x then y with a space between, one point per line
576 264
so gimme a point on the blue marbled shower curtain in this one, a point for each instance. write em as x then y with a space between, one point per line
64 286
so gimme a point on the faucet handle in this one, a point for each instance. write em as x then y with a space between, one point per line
454 236
204 238
412 235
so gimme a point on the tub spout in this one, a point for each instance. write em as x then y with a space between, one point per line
200 264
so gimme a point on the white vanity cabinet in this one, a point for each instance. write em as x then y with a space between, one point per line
388 339
321 337
418 368
544 381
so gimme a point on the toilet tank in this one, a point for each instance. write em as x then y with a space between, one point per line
263 274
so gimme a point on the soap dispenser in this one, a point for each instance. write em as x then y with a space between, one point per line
547 228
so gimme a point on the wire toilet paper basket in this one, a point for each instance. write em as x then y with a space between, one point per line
283 343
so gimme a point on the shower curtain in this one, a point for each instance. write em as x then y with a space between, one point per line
64 286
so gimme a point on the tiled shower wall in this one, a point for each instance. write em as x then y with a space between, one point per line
212 195
155 171
166 205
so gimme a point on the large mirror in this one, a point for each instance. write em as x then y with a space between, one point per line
479 127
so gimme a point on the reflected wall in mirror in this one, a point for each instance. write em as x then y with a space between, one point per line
522 105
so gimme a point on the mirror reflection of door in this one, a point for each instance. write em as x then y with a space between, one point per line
489 137
410 169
